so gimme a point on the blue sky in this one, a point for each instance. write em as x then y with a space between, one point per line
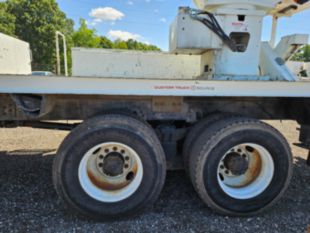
149 20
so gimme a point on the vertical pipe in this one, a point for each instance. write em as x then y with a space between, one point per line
57 55
65 55
274 31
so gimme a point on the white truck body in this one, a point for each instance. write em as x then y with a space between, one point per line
296 67
15 56
134 64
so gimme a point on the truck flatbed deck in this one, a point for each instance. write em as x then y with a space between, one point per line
11 84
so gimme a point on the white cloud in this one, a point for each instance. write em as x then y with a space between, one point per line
163 20
101 14
123 35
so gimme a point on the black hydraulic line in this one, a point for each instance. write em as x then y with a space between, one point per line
212 23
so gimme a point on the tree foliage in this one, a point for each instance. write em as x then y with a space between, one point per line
303 55
85 37
135 45
36 21
7 20
106 43
88 38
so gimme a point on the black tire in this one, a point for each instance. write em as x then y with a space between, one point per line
214 143
195 132
109 128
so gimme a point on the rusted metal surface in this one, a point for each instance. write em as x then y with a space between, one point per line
102 184
240 166
108 181
167 104
189 109
7 107
253 170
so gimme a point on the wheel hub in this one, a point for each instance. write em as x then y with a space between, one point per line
113 164
236 163
245 170
110 171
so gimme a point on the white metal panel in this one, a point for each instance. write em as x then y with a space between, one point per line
296 67
127 64
307 68
274 66
207 4
274 7
15 57
290 44
151 87
228 62
189 36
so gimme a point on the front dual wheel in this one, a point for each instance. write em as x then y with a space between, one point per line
240 166
110 172
110 166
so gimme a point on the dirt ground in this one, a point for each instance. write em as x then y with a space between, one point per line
28 202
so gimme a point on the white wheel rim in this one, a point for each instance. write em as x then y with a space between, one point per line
101 185
255 176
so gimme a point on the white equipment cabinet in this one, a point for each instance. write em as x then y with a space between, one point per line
15 56
188 36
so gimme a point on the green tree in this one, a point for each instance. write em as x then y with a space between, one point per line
135 45
106 43
302 55
36 22
7 20
85 37
120 44
307 53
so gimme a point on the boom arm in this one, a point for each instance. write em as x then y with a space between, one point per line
290 7
273 7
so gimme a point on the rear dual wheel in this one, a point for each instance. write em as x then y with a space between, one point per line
240 166
195 132
110 166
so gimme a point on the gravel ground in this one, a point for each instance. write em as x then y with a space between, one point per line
29 203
